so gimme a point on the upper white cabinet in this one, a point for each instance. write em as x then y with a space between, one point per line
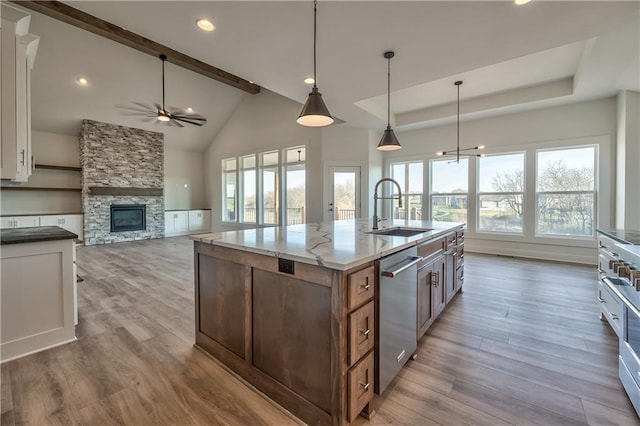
18 56
19 221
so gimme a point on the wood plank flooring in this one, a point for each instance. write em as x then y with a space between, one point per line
523 346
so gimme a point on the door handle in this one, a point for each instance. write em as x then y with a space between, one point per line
413 260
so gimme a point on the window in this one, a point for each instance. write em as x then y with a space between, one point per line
565 192
501 193
449 190
254 189
296 186
410 177
229 182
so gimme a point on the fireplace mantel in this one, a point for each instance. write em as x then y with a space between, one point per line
117 190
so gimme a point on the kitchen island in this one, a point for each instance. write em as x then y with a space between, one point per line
294 310
38 289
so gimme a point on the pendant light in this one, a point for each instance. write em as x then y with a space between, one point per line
457 153
388 142
314 112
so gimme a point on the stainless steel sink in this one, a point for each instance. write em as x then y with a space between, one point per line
400 232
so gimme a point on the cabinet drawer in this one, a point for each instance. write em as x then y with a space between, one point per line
360 386
430 249
460 237
611 306
450 240
361 287
361 332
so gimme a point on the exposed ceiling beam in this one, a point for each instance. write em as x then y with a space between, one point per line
85 21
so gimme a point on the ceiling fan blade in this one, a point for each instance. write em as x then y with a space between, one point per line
143 105
174 122
189 120
158 107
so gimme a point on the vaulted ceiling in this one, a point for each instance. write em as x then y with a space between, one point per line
510 58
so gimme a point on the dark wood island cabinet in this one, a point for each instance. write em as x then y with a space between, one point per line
301 331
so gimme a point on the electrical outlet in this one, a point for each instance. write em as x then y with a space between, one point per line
285 266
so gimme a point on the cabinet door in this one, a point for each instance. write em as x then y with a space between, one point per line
439 289
7 222
425 304
26 221
450 276
196 220
169 224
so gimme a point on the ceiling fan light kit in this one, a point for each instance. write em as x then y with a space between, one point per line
315 112
460 152
389 141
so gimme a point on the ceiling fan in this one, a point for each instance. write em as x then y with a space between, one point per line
159 113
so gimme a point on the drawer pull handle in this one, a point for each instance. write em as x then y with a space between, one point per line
365 386
614 316
365 286
601 300
365 332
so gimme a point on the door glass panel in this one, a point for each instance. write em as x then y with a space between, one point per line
249 196
295 195
270 196
344 195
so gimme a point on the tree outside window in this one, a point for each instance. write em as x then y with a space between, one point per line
565 192
501 193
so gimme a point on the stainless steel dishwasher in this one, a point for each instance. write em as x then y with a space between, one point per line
397 320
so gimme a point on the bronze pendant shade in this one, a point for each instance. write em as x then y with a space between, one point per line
314 112
389 141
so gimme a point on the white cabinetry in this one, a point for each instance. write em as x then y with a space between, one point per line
182 222
70 222
199 220
18 55
19 221
176 222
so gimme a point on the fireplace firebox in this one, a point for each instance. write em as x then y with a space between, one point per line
128 217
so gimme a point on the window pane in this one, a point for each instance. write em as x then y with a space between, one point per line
295 155
270 197
449 208
398 174
565 214
295 195
411 208
229 165
270 158
229 197
501 173
450 177
500 213
249 196
344 193
415 178
248 162
566 170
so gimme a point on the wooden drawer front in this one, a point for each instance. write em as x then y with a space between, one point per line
361 287
361 332
360 386
450 240
430 249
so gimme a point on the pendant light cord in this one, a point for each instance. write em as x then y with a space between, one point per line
163 58
315 4
389 92
458 129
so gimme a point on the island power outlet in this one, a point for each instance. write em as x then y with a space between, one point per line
285 266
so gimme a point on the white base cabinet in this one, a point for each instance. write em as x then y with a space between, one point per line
183 222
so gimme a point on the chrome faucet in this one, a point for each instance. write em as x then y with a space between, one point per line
376 219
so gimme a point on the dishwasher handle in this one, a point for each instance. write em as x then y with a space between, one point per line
412 260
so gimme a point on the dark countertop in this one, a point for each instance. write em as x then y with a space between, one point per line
34 234
625 236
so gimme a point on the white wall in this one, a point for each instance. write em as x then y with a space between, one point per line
262 122
555 126
627 161
183 180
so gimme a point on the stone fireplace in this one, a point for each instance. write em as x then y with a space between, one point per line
122 172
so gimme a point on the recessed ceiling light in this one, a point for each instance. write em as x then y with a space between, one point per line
309 80
205 24
521 2
82 81
189 109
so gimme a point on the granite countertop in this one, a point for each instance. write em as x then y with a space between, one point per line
34 234
337 245
625 236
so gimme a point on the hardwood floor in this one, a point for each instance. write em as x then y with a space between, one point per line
523 345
